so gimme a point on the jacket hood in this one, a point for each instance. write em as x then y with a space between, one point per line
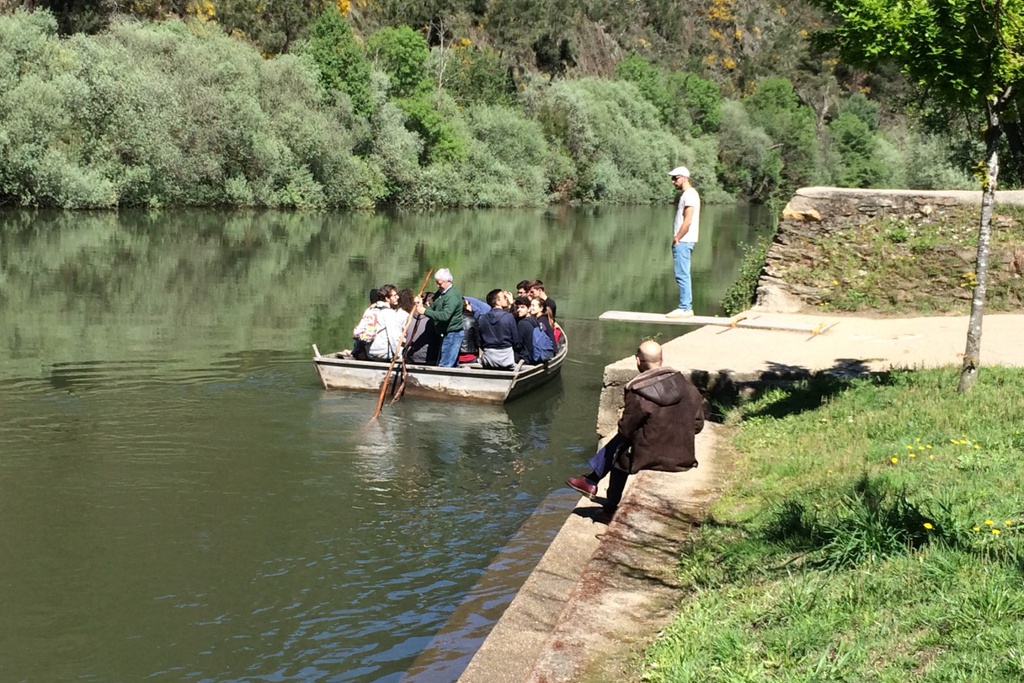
663 386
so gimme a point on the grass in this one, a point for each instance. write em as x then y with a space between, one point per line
897 266
873 531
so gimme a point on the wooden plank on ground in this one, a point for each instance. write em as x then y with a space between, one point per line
744 321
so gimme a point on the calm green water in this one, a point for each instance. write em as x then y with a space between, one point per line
181 501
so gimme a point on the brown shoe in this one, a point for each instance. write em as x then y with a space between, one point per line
583 486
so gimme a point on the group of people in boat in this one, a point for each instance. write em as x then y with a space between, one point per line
447 329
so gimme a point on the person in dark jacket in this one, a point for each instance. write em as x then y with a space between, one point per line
424 343
469 350
662 414
524 330
497 331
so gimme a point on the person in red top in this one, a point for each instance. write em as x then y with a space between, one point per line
663 413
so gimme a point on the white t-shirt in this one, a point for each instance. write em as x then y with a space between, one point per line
688 198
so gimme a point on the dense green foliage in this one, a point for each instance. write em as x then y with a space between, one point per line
873 530
742 295
363 114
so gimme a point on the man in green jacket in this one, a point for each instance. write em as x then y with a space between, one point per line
446 312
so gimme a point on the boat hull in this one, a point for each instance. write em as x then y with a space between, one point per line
338 371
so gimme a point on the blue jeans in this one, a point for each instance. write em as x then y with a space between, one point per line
603 460
681 262
450 344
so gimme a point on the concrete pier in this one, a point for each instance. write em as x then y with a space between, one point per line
606 586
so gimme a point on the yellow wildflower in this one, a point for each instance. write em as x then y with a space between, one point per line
1007 522
977 528
995 532
894 460
928 525
989 522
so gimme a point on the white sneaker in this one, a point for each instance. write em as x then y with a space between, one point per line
680 313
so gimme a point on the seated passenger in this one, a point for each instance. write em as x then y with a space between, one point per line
544 343
405 304
536 291
388 340
424 345
525 326
366 330
497 331
479 307
469 350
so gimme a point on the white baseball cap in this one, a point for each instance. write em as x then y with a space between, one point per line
680 171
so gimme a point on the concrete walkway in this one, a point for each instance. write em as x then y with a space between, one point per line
606 586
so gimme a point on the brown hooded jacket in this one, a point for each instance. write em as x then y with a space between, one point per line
662 414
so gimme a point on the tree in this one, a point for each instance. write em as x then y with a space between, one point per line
965 54
401 53
337 54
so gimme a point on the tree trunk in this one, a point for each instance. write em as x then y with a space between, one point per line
972 354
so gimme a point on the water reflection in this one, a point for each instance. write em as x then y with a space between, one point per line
184 502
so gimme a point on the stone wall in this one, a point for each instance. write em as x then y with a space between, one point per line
817 210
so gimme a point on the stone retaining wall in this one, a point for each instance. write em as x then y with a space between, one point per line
817 210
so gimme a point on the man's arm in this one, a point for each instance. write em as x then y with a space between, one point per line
633 416
440 309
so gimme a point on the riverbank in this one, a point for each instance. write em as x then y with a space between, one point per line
601 591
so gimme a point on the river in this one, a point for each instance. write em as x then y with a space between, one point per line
182 501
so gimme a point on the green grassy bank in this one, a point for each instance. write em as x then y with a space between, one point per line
871 531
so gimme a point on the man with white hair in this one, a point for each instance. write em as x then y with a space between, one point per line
685 229
446 312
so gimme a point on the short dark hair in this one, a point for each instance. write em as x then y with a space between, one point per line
405 299
522 301
376 295
387 289
523 284
492 297
536 284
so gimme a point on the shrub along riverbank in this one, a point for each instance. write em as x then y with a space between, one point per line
873 530
182 113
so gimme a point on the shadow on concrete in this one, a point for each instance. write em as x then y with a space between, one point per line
806 389
595 513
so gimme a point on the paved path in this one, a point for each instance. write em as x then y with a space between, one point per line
604 587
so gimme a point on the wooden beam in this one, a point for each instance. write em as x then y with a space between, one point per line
744 320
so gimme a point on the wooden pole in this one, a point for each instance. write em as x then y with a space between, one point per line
394 356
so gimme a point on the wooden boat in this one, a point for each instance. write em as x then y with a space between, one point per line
471 382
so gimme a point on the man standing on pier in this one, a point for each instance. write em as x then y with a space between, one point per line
662 414
685 230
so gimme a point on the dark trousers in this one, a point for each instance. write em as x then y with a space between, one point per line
603 463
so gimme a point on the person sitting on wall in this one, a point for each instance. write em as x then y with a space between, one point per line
498 335
662 414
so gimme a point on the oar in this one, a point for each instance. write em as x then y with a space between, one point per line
394 357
